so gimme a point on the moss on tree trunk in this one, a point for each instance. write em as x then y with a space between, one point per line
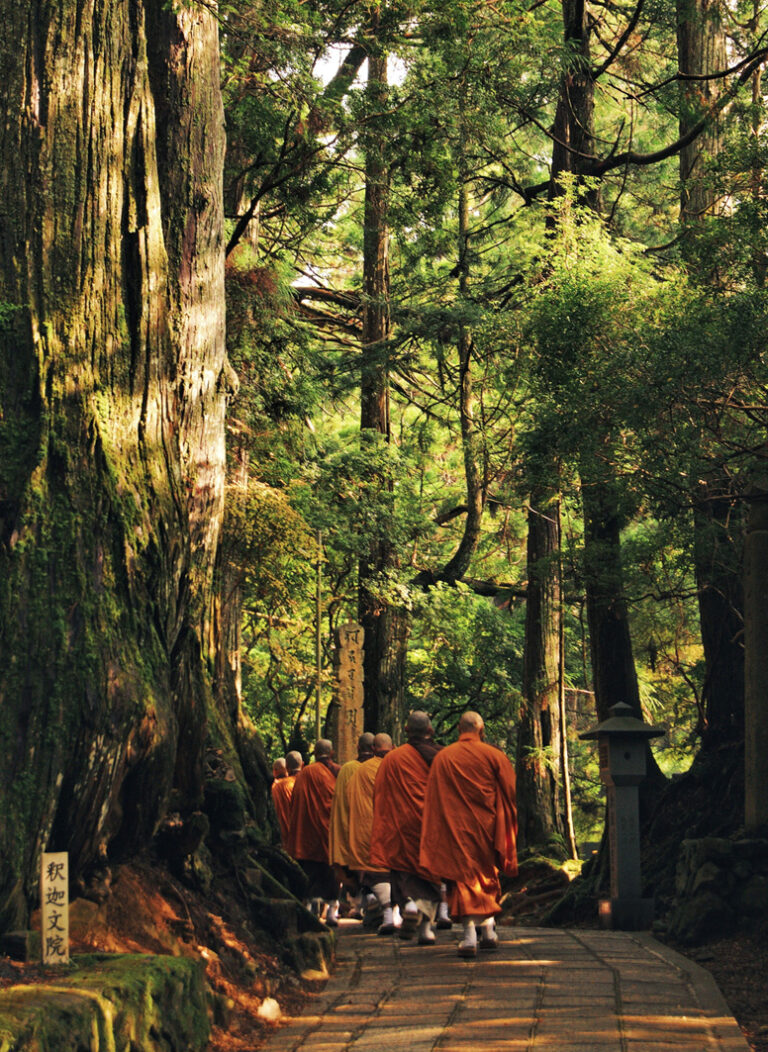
111 424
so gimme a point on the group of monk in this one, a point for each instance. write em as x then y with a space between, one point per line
419 833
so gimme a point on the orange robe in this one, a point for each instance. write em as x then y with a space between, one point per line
311 813
470 824
360 801
398 808
282 792
339 828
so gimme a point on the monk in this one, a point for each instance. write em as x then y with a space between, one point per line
398 809
310 819
282 791
339 827
470 829
360 802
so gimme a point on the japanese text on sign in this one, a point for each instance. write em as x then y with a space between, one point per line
54 900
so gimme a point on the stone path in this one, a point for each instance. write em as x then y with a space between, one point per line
544 989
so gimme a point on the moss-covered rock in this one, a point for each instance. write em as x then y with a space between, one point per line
108 1002
312 954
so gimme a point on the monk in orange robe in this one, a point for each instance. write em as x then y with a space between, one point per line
470 828
282 792
308 830
360 803
398 809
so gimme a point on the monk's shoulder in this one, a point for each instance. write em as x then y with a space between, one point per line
448 756
496 757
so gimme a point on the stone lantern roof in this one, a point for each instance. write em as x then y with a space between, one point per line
622 722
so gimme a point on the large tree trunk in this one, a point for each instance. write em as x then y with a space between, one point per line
701 50
111 418
718 530
540 725
471 434
613 664
716 520
539 738
756 693
385 625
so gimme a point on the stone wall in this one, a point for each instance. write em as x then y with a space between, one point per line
720 884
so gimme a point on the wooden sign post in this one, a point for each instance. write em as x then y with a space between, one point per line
54 901
348 690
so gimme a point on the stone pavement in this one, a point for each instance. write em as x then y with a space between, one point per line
544 989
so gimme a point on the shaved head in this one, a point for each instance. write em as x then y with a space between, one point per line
279 769
365 746
418 725
294 762
382 744
323 749
471 722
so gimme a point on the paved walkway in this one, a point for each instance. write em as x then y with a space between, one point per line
544 989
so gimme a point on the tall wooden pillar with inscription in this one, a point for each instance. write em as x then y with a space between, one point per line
54 902
347 690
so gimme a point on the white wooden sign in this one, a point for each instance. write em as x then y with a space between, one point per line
54 901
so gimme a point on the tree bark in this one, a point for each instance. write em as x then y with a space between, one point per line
385 624
538 762
471 435
111 424
717 528
756 670
701 50
718 555
539 737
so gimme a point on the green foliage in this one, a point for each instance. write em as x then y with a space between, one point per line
594 355
465 653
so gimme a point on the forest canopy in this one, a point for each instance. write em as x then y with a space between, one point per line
445 319
568 326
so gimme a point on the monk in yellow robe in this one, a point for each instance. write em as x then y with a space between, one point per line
470 828
308 829
282 792
360 803
338 846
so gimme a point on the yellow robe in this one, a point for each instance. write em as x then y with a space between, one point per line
360 801
339 828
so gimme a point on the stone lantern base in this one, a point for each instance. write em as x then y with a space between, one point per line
626 914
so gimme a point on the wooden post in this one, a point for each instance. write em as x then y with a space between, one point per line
54 902
348 690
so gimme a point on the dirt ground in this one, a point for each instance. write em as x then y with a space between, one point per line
739 964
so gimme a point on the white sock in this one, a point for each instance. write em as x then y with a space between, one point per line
470 935
425 929
411 909
386 917
382 893
488 928
442 911
333 911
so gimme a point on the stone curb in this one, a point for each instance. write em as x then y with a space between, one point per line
707 992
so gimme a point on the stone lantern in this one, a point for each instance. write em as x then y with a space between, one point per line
622 746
